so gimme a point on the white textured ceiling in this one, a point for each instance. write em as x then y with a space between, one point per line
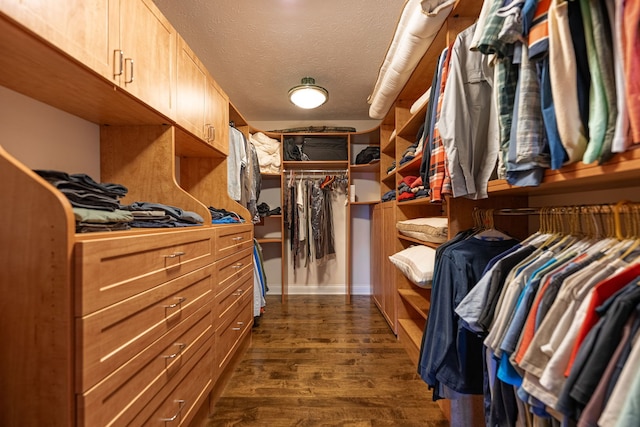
258 49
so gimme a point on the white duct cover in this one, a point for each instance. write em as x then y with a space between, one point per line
419 23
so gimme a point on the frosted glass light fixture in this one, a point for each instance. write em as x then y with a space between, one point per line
307 94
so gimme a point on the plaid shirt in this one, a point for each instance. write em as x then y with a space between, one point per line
439 181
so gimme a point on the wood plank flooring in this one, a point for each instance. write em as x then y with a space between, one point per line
316 361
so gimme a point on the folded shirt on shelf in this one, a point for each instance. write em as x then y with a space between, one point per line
223 216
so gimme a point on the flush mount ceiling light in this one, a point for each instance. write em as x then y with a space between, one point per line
308 95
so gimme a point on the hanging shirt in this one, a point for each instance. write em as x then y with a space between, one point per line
598 113
450 354
235 162
621 137
467 124
631 43
563 74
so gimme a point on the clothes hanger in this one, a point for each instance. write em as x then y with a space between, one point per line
489 231
633 220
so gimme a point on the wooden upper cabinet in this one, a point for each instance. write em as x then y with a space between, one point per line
191 91
148 46
202 107
85 30
217 117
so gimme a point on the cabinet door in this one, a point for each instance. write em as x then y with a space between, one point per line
388 270
86 30
376 257
148 43
191 91
217 116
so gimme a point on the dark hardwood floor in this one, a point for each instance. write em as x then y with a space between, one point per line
316 361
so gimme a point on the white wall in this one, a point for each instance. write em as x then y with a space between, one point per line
327 277
43 137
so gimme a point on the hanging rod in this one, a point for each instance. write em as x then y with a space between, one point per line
302 171
517 211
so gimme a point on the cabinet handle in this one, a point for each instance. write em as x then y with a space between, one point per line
174 305
239 328
211 132
177 414
238 265
181 347
238 293
175 255
118 57
237 239
235 329
241 323
131 70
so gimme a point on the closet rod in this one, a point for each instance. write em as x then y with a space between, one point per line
517 211
302 171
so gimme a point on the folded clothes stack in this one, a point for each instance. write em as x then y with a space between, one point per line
96 206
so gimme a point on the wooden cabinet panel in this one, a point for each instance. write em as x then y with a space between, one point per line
178 402
232 327
118 398
228 298
87 31
217 117
191 90
376 256
110 337
110 270
148 43
233 267
231 239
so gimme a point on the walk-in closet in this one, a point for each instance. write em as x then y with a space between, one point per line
366 213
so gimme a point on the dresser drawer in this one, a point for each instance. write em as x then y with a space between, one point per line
232 327
118 399
233 295
233 238
110 337
232 268
110 270
181 398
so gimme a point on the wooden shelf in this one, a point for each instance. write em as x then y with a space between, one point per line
390 178
410 129
420 201
367 202
270 175
623 170
320 165
268 240
419 303
367 167
411 166
389 147
418 241
410 335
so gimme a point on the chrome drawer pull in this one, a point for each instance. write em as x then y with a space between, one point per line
235 329
181 347
175 417
238 265
118 60
237 239
130 68
175 255
174 305
241 323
